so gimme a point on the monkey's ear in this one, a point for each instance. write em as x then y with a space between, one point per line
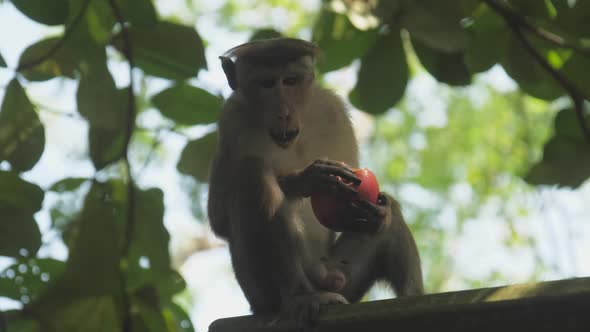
229 68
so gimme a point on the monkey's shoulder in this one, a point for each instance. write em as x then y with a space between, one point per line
332 134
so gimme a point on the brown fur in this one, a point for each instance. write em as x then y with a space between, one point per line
282 257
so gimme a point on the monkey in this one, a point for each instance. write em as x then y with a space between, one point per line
281 138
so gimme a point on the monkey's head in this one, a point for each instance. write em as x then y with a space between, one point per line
275 77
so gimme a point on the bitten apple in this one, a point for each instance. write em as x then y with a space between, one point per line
331 211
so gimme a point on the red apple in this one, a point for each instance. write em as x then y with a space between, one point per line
331 211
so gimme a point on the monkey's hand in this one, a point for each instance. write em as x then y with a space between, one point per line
366 217
305 308
321 176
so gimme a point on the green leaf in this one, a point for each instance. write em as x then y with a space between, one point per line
383 75
385 10
487 42
150 319
2 62
196 157
139 12
67 184
106 146
99 21
265 34
188 105
149 260
576 69
575 20
98 99
170 285
64 222
436 24
52 12
92 268
93 30
167 50
22 136
88 314
29 278
531 77
531 8
566 162
19 193
340 41
567 125
19 200
18 321
18 230
176 318
62 62
448 68
157 314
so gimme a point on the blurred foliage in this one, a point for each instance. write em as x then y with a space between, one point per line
118 271
478 150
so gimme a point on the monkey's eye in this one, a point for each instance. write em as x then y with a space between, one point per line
290 80
267 84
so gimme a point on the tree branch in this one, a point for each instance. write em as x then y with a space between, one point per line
131 197
153 148
549 36
67 33
514 22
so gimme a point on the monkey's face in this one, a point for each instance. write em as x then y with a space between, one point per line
280 95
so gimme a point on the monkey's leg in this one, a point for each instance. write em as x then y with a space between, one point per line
389 254
267 247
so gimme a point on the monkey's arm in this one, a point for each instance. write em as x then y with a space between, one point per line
219 191
406 272
263 224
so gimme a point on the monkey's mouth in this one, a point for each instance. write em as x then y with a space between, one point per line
284 138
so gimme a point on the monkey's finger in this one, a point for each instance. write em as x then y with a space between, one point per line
363 218
337 187
337 164
345 174
370 209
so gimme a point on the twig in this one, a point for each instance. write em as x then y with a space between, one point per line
545 34
67 33
155 144
577 97
55 112
131 198
555 38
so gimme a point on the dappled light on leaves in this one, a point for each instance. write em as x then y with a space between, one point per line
22 136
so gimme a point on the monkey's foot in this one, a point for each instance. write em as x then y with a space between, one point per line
306 308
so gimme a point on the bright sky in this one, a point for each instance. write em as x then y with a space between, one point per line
209 274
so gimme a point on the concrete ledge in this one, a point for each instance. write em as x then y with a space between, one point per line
557 306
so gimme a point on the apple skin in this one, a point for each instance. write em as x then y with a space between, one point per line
331 210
